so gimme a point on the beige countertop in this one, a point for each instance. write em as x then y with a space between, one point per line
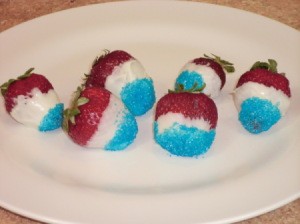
14 12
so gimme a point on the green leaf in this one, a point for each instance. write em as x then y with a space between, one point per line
72 119
72 112
26 74
69 115
65 124
82 100
200 89
258 64
179 88
226 65
273 65
229 68
84 79
5 85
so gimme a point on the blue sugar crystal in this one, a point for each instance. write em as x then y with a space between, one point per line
188 79
53 119
126 133
258 115
139 96
184 141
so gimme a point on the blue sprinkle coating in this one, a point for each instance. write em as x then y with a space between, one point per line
184 141
53 119
188 79
126 133
258 115
138 96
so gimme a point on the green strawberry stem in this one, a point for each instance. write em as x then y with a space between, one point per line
179 88
226 65
73 111
271 65
4 87
26 74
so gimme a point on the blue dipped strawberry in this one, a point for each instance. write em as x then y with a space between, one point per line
31 100
98 119
185 122
205 70
125 77
262 97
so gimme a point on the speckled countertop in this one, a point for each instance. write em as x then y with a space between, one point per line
14 12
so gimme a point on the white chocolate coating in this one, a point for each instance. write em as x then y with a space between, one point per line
31 110
167 120
108 124
253 89
123 74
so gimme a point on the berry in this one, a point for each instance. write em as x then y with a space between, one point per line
185 122
98 119
262 96
125 77
31 100
205 70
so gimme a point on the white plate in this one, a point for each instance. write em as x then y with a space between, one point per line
47 177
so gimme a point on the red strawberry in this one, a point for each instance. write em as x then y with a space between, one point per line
266 74
205 70
185 122
125 77
97 119
30 99
262 96
104 65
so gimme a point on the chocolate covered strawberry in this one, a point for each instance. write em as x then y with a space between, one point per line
205 70
31 100
98 119
262 96
124 76
185 122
